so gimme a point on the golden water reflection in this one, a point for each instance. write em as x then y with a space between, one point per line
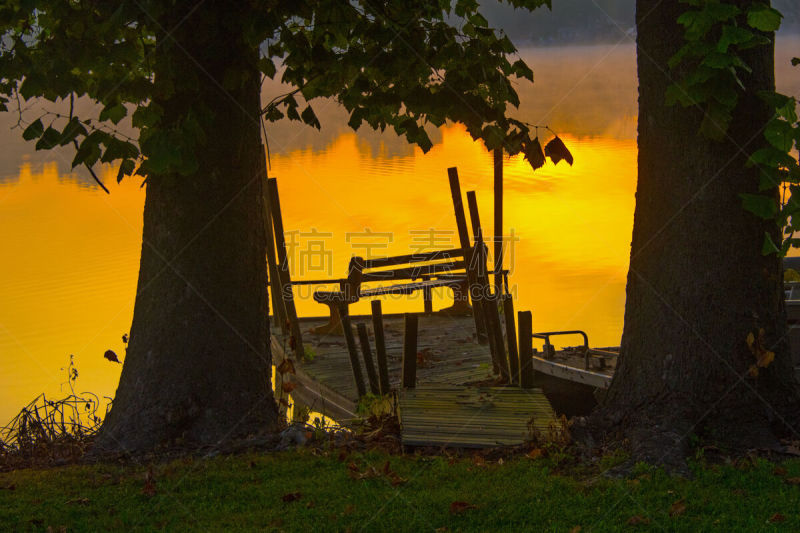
68 277
571 226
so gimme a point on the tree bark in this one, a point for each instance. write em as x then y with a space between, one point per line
198 365
698 283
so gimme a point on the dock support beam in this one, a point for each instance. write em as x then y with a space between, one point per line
409 380
498 221
463 238
287 294
490 314
350 340
511 337
366 353
380 346
278 309
525 320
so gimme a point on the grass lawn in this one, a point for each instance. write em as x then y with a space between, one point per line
301 491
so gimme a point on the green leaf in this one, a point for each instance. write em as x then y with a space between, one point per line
764 18
113 112
769 247
762 206
49 139
780 134
478 20
125 169
493 136
146 116
310 118
34 131
733 35
716 120
788 111
266 66
522 70
556 150
71 130
721 11
533 153
89 150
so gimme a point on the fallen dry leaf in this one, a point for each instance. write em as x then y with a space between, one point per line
779 471
78 501
288 387
576 529
478 460
291 497
636 520
369 473
535 453
777 517
460 507
286 367
397 480
765 358
677 508
792 480
149 488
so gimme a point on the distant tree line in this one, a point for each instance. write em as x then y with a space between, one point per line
582 22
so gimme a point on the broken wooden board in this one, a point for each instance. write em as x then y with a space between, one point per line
447 354
477 417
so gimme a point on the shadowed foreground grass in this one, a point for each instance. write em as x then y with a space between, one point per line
300 491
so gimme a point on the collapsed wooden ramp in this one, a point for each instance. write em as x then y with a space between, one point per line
470 417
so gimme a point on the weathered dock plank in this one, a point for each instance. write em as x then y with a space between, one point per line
446 408
447 354
473 416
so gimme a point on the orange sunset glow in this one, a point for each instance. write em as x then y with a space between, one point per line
71 284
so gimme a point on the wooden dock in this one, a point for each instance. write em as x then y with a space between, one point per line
451 404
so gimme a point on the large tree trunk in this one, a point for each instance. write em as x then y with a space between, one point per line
198 365
698 283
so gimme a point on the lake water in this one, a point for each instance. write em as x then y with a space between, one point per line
70 252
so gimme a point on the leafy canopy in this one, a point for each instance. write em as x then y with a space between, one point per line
392 64
709 68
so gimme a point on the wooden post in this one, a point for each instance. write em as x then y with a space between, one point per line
491 315
427 297
278 309
409 379
352 351
511 337
366 354
287 294
463 237
525 349
498 220
380 346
